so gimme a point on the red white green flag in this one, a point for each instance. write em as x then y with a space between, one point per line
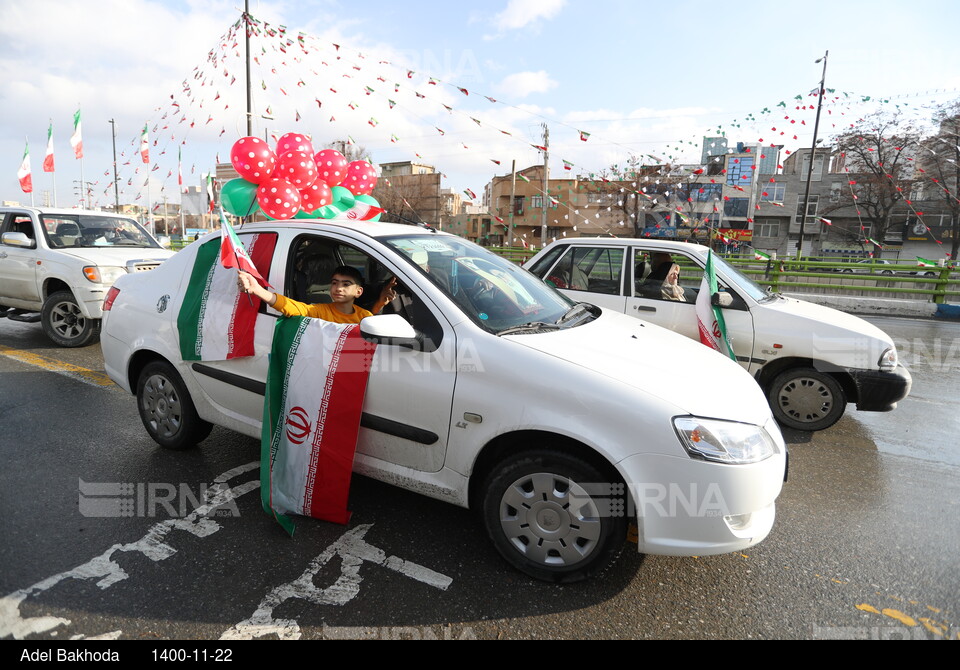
48 159
316 383
76 140
216 322
180 169
710 322
760 256
233 254
145 145
924 263
24 174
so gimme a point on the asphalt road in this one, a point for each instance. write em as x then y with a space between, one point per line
865 543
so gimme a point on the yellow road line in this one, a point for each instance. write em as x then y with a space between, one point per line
60 367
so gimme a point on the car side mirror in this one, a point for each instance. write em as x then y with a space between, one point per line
389 329
18 240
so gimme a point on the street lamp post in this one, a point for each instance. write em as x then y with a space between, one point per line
813 154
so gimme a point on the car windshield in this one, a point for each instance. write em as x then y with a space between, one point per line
742 281
86 230
493 292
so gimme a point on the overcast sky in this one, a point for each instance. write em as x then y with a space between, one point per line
639 78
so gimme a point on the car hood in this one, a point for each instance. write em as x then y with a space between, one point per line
654 360
826 317
119 256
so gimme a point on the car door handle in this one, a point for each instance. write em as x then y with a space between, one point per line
644 308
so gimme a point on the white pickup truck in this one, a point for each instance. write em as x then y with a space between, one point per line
56 266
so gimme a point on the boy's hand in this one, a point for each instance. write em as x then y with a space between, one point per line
389 293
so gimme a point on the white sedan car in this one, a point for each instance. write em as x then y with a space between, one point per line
557 421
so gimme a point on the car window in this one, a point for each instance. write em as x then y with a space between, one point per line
85 230
660 275
594 269
491 291
313 260
19 223
545 262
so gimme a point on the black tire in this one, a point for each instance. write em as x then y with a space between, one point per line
806 399
63 322
166 409
887 272
545 524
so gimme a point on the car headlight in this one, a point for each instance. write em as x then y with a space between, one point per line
889 359
724 441
103 274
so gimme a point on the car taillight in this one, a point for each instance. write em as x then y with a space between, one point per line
111 296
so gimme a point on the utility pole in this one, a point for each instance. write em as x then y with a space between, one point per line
546 185
513 196
246 32
116 187
813 155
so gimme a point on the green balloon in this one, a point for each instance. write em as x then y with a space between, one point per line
344 196
331 210
239 197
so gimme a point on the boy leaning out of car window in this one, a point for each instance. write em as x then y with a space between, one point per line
346 286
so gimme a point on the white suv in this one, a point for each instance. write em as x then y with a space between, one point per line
61 262
556 421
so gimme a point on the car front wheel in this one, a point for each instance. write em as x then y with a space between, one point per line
166 409
806 399
65 324
542 511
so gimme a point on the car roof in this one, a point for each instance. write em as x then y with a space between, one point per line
374 229
62 211
645 241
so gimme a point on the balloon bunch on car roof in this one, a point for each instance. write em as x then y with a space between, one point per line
292 181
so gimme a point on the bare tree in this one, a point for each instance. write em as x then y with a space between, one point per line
352 152
877 154
939 163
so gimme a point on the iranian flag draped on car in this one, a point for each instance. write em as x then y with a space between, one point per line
316 383
713 330
216 321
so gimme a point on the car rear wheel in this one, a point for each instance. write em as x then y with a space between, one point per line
806 399
544 522
65 324
166 409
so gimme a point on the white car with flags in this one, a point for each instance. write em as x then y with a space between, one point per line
557 421
809 360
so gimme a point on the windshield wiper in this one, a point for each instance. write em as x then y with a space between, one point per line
532 327
579 310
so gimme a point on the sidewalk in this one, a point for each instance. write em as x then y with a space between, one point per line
882 306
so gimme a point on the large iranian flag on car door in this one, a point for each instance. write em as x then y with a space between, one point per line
311 418
216 322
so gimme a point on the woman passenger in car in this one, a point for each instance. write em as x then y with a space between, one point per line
346 286
671 289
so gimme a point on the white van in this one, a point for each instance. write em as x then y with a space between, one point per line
809 360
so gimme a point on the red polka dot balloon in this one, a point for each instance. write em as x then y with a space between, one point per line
278 198
253 159
331 166
298 168
294 142
315 196
361 178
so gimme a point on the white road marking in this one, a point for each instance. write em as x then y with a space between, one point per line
103 567
353 550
